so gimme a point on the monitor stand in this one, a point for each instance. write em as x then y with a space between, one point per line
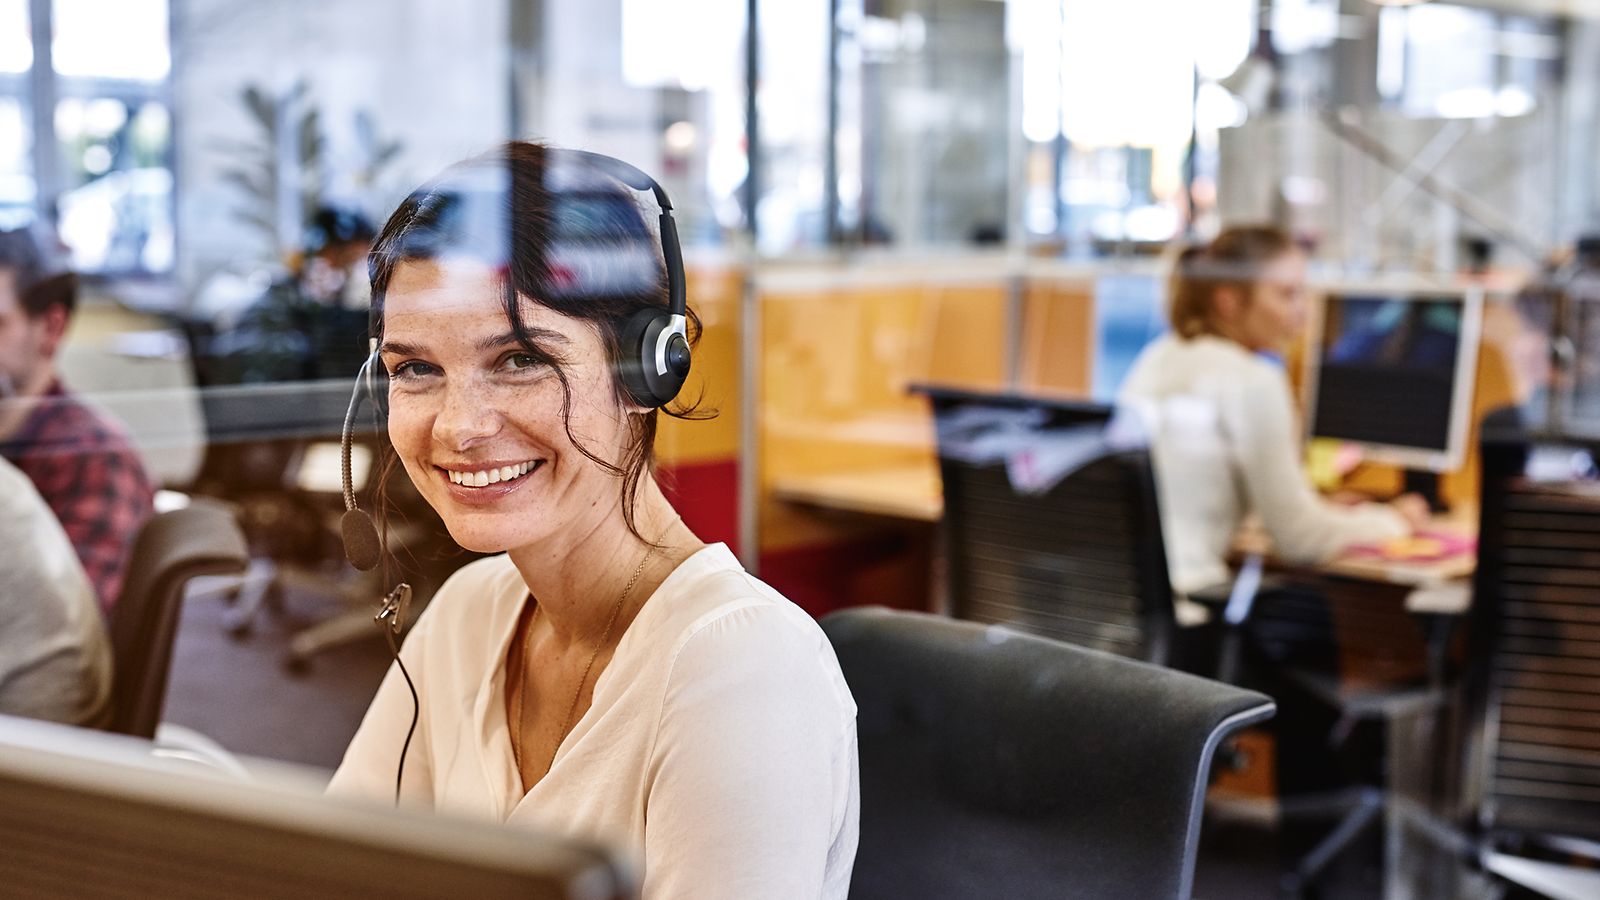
1426 485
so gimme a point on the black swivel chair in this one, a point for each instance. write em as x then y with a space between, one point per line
171 549
1001 764
1532 683
1083 561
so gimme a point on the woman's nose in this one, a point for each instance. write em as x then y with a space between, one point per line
465 419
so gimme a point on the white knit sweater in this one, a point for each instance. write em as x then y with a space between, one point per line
1225 444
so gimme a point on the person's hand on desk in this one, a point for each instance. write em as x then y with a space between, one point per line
1414 509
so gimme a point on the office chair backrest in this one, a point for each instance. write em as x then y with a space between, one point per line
1534 653
172 548
1083 561
1000 764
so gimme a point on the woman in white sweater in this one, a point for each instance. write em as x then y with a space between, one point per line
1223 422
608 675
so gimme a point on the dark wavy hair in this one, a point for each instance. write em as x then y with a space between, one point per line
563 235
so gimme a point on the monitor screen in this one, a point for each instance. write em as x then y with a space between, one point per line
90 814
1393 372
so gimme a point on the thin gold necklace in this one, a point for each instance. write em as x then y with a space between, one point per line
516 735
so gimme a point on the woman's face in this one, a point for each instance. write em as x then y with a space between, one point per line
1276 313
477 421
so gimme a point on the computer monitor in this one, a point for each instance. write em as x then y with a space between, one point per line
91 814
1393 372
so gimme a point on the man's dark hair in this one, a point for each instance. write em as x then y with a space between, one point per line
38 284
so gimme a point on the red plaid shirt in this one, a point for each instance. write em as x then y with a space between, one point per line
84 467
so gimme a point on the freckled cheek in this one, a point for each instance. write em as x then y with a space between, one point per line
409 429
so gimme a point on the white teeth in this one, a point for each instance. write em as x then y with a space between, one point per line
487 477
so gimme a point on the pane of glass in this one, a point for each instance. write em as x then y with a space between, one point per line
17 189
126 39
117 214
792 103
1127 108
1450 67
16 39
689 56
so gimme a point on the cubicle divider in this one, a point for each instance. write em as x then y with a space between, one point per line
847 489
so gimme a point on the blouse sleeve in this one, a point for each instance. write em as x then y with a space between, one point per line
1304 528
373 757
753 771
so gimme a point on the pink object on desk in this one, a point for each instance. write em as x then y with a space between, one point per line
1424 546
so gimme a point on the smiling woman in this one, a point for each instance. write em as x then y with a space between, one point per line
607 675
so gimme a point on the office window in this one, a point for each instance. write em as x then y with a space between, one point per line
98 164
124 40
117 213
16 171
16 50
1460 62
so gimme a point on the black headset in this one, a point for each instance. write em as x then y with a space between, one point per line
655 354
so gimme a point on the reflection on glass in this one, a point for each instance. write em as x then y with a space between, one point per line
117 217
126 39
16 41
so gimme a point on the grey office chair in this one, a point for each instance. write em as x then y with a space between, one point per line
171 549
1001 764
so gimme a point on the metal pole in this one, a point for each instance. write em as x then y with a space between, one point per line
42 81
830 172
750 317
752 124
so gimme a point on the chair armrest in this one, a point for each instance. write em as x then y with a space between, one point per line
187 745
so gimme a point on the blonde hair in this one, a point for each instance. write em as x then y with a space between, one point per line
1232 260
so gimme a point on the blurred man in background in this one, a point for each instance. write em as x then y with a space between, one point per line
78 459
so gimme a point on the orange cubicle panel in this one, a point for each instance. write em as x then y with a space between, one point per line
1058 336
838 353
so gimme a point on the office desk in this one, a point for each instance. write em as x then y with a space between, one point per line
1436 586
902 492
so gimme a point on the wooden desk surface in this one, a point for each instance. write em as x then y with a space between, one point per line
902 492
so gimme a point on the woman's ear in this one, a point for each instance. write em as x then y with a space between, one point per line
1227 302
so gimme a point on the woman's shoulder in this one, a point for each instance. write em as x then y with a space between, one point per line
721 616
711 586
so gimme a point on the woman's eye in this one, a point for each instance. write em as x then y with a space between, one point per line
518 361
410 370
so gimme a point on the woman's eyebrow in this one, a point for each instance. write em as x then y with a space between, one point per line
536 336
400 349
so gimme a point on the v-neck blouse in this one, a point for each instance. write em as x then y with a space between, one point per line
719 750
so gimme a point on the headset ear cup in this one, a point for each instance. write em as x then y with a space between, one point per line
638 356
645 385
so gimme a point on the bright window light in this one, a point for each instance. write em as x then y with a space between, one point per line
16 42
1123 82
682 44
126 39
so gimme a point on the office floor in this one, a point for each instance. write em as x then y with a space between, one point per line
238 693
